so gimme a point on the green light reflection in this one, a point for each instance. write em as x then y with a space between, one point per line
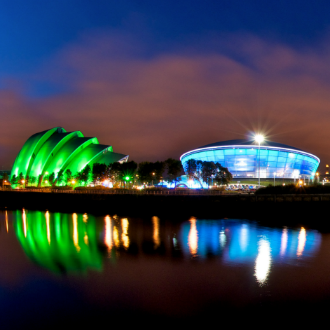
60 242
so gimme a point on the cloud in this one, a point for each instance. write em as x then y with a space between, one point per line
161 106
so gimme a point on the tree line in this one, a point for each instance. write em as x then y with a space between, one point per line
207 172
119 174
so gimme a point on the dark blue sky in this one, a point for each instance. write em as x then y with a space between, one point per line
33 31
164 66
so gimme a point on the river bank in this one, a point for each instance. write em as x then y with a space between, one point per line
310 210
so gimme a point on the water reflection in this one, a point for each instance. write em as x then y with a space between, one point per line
193 237
6 219
263 261
78 242
155 224
59 243
302 241
238 242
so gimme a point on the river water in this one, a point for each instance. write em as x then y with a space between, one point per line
79 269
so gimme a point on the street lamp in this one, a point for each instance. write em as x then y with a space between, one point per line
274 178
318 178
259 138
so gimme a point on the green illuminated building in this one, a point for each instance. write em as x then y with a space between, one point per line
56 149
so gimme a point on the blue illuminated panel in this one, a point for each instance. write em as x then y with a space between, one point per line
245 161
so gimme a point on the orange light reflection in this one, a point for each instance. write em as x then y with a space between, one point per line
193 237
155 224
301 241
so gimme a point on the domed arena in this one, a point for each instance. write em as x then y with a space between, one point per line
56 149
244 159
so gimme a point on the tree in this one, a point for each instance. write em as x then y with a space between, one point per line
99 172
222 176
158 172
127 171
45 179
51 178
20 180
208 171
114 173
84 175
5 176
33 180
27 180
68 176
190 168
39 180
14 180
174 168
145 171
60 177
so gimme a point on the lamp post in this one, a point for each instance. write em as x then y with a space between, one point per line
318 177
274 178
259 138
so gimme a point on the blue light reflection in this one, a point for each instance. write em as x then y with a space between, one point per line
240 242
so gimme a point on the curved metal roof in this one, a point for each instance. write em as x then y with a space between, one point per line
56 149
241 142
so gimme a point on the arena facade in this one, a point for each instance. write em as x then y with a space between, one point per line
242 158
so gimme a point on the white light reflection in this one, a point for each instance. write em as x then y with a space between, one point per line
284 241
24 223
263 261
108 235
301 241
244 238
193 237
48 226
222 239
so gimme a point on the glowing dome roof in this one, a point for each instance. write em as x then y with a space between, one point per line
243 142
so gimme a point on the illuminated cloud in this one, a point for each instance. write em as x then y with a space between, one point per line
161 106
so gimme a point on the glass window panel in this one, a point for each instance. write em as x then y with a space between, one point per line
218 153
240 152
280 165
272 164
229 151
282 154
281 159
273 153
251 151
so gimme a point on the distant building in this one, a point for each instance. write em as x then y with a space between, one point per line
244 159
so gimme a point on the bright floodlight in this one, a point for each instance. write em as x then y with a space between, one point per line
259 138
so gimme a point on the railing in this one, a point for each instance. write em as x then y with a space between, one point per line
122 192
242 196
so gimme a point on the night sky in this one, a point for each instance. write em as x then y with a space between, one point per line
155 79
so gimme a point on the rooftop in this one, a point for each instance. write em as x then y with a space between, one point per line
248 143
